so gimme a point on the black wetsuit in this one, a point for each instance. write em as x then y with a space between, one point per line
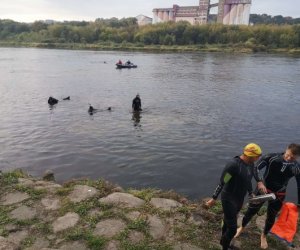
136 104
52 101
277 174
235 182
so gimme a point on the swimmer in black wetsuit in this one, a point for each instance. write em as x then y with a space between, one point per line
52 101
279 169
137 103
235 182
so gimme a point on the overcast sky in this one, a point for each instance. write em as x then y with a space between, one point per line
89 10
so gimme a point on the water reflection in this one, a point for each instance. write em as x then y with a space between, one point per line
136 117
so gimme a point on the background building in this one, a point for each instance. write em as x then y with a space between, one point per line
143 20
229 12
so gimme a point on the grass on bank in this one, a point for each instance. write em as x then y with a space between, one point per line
110 46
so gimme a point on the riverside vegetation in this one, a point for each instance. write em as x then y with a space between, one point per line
125 34
83 214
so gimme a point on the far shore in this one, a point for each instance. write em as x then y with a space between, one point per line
227 48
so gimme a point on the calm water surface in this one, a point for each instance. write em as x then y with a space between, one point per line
200 109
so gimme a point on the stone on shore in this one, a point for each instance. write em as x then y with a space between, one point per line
112 245
65 222
165 204
48 176
5 244
39 244
81 193
185 246
51 203
109 228
136 237
13 198
73 246
157 227
122 200
23 213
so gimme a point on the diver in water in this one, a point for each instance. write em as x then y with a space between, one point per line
67 98
91 109
52 101
137 104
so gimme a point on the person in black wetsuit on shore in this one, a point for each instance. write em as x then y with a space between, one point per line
279 169
235 182
137 104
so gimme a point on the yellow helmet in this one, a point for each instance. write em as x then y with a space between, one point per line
252 150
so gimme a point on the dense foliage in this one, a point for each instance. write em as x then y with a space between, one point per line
126 30
267 19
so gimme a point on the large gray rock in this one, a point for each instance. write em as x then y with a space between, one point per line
49 186
109 228
39 244
48 176
82 192
157 227
122 200
65 222
5 244
18 236
25 182
134 215
186 246
165 204
136 237
23 213
51 203
13 198
260 222
112 245
73 246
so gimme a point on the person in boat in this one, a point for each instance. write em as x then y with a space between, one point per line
137 104
279 169
235 182
52 101
128 63
120 62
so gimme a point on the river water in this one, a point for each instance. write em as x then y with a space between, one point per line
199 110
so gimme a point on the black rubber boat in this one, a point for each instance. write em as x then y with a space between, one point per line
125 66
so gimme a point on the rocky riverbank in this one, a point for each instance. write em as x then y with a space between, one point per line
83 214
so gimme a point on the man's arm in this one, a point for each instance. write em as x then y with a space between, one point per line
258 176
226 176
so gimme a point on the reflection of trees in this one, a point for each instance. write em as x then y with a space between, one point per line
136 117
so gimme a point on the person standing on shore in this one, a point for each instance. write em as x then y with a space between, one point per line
279 169
235 182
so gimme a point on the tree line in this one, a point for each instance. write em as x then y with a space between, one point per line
126 30
267 19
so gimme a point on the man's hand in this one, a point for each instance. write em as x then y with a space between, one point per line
261 187
210 203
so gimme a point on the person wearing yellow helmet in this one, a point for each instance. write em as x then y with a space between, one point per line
279 169
234 184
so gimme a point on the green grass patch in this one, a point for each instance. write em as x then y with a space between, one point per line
35 194
95 242
11 178
64 191
217 208
23 223
4 218
27 242
145 194
139 225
